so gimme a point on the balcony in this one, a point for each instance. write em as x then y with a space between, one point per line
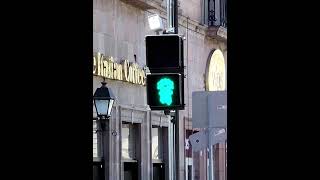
142 4
151 4
215 17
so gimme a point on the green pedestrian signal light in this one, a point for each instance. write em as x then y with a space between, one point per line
164 91
165 87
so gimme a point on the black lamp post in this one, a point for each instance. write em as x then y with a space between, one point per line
103 101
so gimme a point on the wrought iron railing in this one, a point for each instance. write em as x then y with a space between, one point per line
217 13
223 13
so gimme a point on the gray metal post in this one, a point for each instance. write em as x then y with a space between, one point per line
103 150
174 169
175 25
170 147
177 153
172 19
172 16
211 162
225 160
169 15
99 139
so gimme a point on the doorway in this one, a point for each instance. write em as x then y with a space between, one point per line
130 171
158 171
98 172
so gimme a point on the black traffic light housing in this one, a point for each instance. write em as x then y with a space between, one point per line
165 84
164 53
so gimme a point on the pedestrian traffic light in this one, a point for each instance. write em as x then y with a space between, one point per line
165 84
164 91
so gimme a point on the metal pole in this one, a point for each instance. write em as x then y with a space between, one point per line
177 153
172 16
172 19
211 162
103 148
99 138
170 144
225 160
169 15
174 163
175 16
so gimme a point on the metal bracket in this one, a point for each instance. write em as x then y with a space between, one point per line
169 31
166 112
114 133
103 128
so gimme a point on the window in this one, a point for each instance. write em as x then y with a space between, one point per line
129 137
130 171
214 12
158 171
98 171
157 143
130 148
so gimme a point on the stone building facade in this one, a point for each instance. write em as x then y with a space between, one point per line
138 143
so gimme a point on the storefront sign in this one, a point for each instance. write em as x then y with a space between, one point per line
128 72
216 72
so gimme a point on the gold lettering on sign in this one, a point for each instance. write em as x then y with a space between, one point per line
137 73
115 71
139 78
133 80
134 73
98 64
125 70
94 65
130 74
105 68
108 68
118 72
144 79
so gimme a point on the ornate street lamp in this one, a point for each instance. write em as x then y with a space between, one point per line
103 101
